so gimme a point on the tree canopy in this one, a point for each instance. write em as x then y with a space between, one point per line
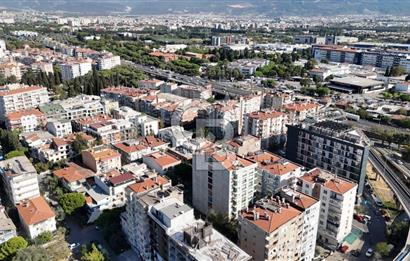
31 253
10 247
70 202
93 254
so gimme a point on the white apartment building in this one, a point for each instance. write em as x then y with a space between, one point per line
146 125
26 120
311 210
274 173
222 182
153 84
74 69
16 97
7 227
337 198
271 231
177 235
19 178
108 62
270 126
59 128
74 108
36 216
141 196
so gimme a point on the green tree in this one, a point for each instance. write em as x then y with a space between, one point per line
383 249
405 154
395 233
71 202
31 253
10 247
397 71
10 140
44 238
93 255
79 144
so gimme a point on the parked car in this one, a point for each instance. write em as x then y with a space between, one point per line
343 249
367 217
369 252
358 217
355 253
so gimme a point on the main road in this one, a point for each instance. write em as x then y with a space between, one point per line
224 88
399 188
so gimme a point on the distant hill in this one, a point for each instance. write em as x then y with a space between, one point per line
266 7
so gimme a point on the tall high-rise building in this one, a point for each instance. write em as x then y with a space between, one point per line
332 146
337 197
222 182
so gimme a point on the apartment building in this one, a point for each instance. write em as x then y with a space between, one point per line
161 162
11 69
146 125
271 230
19 179
73 177
18 97
337 197
74 69
177 235
141 196
222 182
310 207
26 120
132 150
244 145
248 67
74 108
7 227
194 92
108 62
126 96
36 216
107 193
298 112
270 126
332 146
274 172
276 100
153 84
225 119
59 128
101 160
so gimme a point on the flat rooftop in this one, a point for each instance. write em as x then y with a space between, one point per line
356 82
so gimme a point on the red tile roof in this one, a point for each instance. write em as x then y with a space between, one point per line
34 211
121 179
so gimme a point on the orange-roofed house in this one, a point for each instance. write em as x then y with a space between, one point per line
132 150
222 182
73 176
270 126
274 172
297 112
36 216
271 231
160 161
337 197
101 161
25 120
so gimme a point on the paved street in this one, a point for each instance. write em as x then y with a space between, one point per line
84 235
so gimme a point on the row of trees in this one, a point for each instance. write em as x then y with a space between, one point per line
389 136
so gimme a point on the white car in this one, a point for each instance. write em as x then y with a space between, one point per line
367 217
369 252
73 245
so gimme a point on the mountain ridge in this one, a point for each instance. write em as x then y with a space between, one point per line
234 7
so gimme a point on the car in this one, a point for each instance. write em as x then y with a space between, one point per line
355 253
399 162
358 217
367 217
369 252
73 245
343 248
